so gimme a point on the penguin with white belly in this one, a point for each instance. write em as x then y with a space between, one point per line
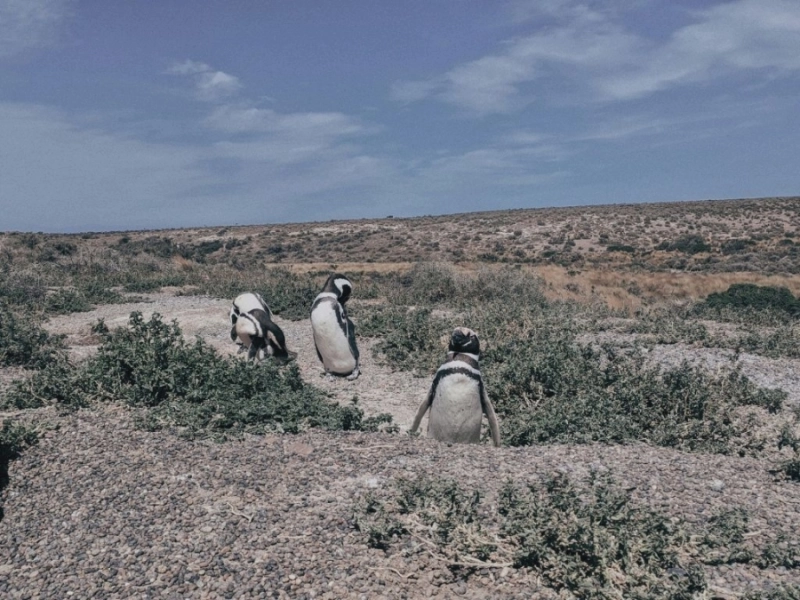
334 332
253 328
457 398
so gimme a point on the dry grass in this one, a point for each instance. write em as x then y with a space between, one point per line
618 254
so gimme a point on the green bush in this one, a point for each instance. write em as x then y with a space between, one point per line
289 295
688 244
595 544
23 343
152 282
669 327
66 301
551 389
21 289
734 246
750 296
588 540
781 592
434 283
149 366
621 248
97 292
408 340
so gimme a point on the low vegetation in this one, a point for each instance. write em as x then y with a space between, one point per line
23 342
585 537
755 297
187 386
551 387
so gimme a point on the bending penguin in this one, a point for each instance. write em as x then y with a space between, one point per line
334 332
252 327
457 398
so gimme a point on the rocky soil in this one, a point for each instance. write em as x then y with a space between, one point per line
100 509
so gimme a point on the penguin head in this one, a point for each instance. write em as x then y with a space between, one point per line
339 285
464 340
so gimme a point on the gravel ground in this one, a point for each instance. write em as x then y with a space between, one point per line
101 509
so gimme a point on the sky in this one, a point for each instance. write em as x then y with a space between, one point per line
142 115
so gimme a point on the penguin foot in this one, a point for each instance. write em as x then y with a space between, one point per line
353 375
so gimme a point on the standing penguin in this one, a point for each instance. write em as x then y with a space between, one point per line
457 399
334 332
253 328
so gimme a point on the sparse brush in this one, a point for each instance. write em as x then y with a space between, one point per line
551 389
778 593
587 539
439 283
289 295
24 343
149 366
409 339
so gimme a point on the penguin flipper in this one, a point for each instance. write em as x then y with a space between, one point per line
319 356
348 328
423 408
351 338
488 409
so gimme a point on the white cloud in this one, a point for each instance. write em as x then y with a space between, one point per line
210 85
587 49
736 36
231 118
55 175
30 24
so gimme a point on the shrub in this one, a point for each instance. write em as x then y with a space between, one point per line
24 343
409 339
66 301
688 244
747 295
21 288
433 283
588 540
288 294
96 292
551 389
620 248
426 283
781 592
150 366
734 246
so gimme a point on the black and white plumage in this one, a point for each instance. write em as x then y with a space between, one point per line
334 332
252 327
457 398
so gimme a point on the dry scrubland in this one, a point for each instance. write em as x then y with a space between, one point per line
644 361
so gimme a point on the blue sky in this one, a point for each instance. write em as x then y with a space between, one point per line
142 114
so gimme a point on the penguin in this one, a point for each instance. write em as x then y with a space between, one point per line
457 398
253 329
334 332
